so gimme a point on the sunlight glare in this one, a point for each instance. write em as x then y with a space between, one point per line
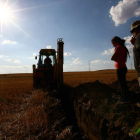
5 13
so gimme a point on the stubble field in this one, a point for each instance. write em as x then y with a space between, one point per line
22 108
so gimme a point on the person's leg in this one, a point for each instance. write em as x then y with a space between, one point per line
120 81
121 74
138 75
124 84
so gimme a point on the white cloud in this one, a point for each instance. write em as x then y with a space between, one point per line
1 56
12 60
6 66
9 42
100 61
24 66
6 41
67 54
34 54
108 52
15 67
31 57
124 11
127 39
96 61
65 67
77 61
105 62
48 47
130 49
13 42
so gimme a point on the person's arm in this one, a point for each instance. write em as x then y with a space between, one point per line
137 42
132 40
114 56
137 46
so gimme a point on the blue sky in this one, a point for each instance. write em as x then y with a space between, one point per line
86 26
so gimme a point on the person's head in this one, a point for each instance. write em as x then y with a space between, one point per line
117 41
135 28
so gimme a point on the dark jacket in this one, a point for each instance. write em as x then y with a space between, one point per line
136 54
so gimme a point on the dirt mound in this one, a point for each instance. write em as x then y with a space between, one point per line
101 115
95 90
132 85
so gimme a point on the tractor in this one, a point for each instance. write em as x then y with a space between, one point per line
49 70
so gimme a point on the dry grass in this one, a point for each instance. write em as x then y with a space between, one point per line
104 76
23 116
22 109
22 112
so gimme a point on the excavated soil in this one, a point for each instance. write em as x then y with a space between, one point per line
92 111
101 116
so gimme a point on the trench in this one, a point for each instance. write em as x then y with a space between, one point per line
95 113
68 107
75 117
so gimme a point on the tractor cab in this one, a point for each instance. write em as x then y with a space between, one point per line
47 58
49 68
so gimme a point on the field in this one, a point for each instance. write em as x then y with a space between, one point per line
22 108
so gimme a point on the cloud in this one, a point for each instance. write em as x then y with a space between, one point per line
65 67
105 62
100 61
31 57
96 61
12 60
19 67
48 47
130 49
34 54
108 52
6 41
67 54
15 68
1 56
9 42
77 61
24 66
127 39
6 66
13 42
125 10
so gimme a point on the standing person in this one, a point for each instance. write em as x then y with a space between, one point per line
120 58
135 40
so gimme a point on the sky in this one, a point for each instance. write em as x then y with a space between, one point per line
86 26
